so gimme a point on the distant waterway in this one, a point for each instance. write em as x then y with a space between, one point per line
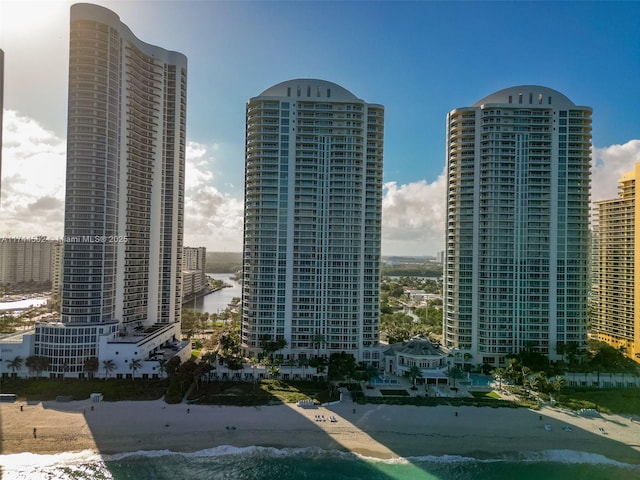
217 302
23 304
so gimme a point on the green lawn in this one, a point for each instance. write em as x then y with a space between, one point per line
41 389
606 400
261 393
394 393
493 395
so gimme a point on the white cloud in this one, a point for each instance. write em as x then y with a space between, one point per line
608 166
213 219
413 218
413 215
33 171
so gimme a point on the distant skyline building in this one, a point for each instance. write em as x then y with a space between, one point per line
312 221
122 267
57 255
194 261
517 232
26 260
616 268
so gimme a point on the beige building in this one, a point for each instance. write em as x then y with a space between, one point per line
194 279
616 281
26 259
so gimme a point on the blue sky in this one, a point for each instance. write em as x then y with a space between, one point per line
419 59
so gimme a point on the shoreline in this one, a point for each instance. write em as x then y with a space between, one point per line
376 431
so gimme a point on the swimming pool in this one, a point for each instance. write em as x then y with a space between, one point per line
384 381
479 380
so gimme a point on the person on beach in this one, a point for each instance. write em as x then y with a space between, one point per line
34 432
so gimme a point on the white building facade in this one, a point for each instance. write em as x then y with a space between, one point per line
313 203
517 232
122 261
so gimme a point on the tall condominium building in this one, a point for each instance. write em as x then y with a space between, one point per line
517 231
313 194
57 253
193 270
616 267
24 260
194 258
124 190
1 111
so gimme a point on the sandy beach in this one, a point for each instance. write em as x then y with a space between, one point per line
381 431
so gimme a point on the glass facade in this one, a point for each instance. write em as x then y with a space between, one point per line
517 236
125 175
313 195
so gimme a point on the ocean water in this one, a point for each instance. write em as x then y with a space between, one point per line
260 463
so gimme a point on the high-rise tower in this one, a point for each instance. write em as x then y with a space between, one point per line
125 175
616 268
313 202
517 232
1 111
124 197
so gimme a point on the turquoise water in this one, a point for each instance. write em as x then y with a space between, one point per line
480 380
257 463
380 381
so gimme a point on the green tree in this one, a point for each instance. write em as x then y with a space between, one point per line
274 372
16 364
454 374
108 366
37 364
91 366
414 373
173 365
342 366
498 375
134 365
189 323
270 346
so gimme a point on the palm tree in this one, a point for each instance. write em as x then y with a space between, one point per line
135 365
274 372
558 384
91 366
37 364
414 373
498 374
108 366
15 365
455 374
210 358
253 361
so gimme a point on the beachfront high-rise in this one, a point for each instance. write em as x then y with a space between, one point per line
517 225
616 268
124 190
1 111
312 221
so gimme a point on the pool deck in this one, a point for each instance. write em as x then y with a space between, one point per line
403 383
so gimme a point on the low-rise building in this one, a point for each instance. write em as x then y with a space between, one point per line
431 358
